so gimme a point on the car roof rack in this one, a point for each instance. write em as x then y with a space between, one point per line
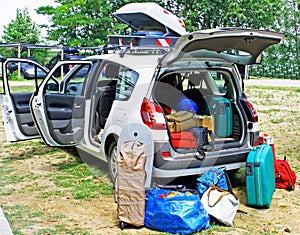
144 50
138 41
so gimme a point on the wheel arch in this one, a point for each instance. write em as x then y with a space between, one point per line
110 138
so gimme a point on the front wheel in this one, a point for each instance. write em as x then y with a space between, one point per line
112 160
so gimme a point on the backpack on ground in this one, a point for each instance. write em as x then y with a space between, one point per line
285 176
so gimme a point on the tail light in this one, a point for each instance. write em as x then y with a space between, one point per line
253 111
152 115
253 122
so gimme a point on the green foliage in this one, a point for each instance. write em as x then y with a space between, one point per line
82 22
89 22
283 60
79 22
226 13
22 29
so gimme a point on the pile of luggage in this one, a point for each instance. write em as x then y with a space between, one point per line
190 130
179 210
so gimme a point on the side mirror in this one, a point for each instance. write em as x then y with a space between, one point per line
52 87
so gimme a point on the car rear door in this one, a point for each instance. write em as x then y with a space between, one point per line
16 92
240 46
58 106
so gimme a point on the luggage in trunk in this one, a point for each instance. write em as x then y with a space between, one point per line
182 121
183 139
131 183
260 176
221 109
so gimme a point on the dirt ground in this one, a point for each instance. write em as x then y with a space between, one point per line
279 116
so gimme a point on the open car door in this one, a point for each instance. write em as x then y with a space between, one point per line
20 79
239 46
58 106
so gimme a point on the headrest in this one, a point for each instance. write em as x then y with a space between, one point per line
112 71
194 79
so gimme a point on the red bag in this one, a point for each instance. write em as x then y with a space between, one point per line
285 176
183 139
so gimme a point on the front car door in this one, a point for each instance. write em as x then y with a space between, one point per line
20 79
58 106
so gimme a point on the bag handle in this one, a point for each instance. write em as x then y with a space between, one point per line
224 193
177 187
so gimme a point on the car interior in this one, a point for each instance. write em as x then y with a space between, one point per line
206 93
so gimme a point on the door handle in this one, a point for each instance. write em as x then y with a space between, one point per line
77 106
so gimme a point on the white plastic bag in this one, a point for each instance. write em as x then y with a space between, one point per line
221 204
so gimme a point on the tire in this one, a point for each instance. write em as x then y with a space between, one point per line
112 160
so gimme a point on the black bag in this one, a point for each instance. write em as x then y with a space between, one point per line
201 135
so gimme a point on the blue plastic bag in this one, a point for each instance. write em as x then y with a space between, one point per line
176 212
186 104
215 176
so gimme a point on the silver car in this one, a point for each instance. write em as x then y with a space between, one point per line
140 93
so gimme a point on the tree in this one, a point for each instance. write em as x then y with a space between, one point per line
82 22
283 60
89 22
22 29
207 14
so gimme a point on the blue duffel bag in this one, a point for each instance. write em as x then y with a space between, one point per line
213 176
175 211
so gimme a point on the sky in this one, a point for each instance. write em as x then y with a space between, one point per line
9 9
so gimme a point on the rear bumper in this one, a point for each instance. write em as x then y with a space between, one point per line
162 173
185 164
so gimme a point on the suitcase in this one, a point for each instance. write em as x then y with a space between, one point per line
183 139
260 176
183 120
221 109
205 121
131 184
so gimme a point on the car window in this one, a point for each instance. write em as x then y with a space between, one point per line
73 82
124 78
23 76
77 77
126 83
223 83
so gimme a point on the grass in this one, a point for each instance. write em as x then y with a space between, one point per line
273 88
60 174
83 182
41 177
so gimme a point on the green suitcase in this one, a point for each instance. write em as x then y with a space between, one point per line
260 176
221 109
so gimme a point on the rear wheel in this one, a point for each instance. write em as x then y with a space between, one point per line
112 160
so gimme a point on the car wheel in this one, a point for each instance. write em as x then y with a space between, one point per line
112 160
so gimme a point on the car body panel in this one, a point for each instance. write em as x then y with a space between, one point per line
219 41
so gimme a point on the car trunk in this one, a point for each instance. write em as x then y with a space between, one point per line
201 109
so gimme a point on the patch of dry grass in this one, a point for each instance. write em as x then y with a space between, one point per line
35 202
